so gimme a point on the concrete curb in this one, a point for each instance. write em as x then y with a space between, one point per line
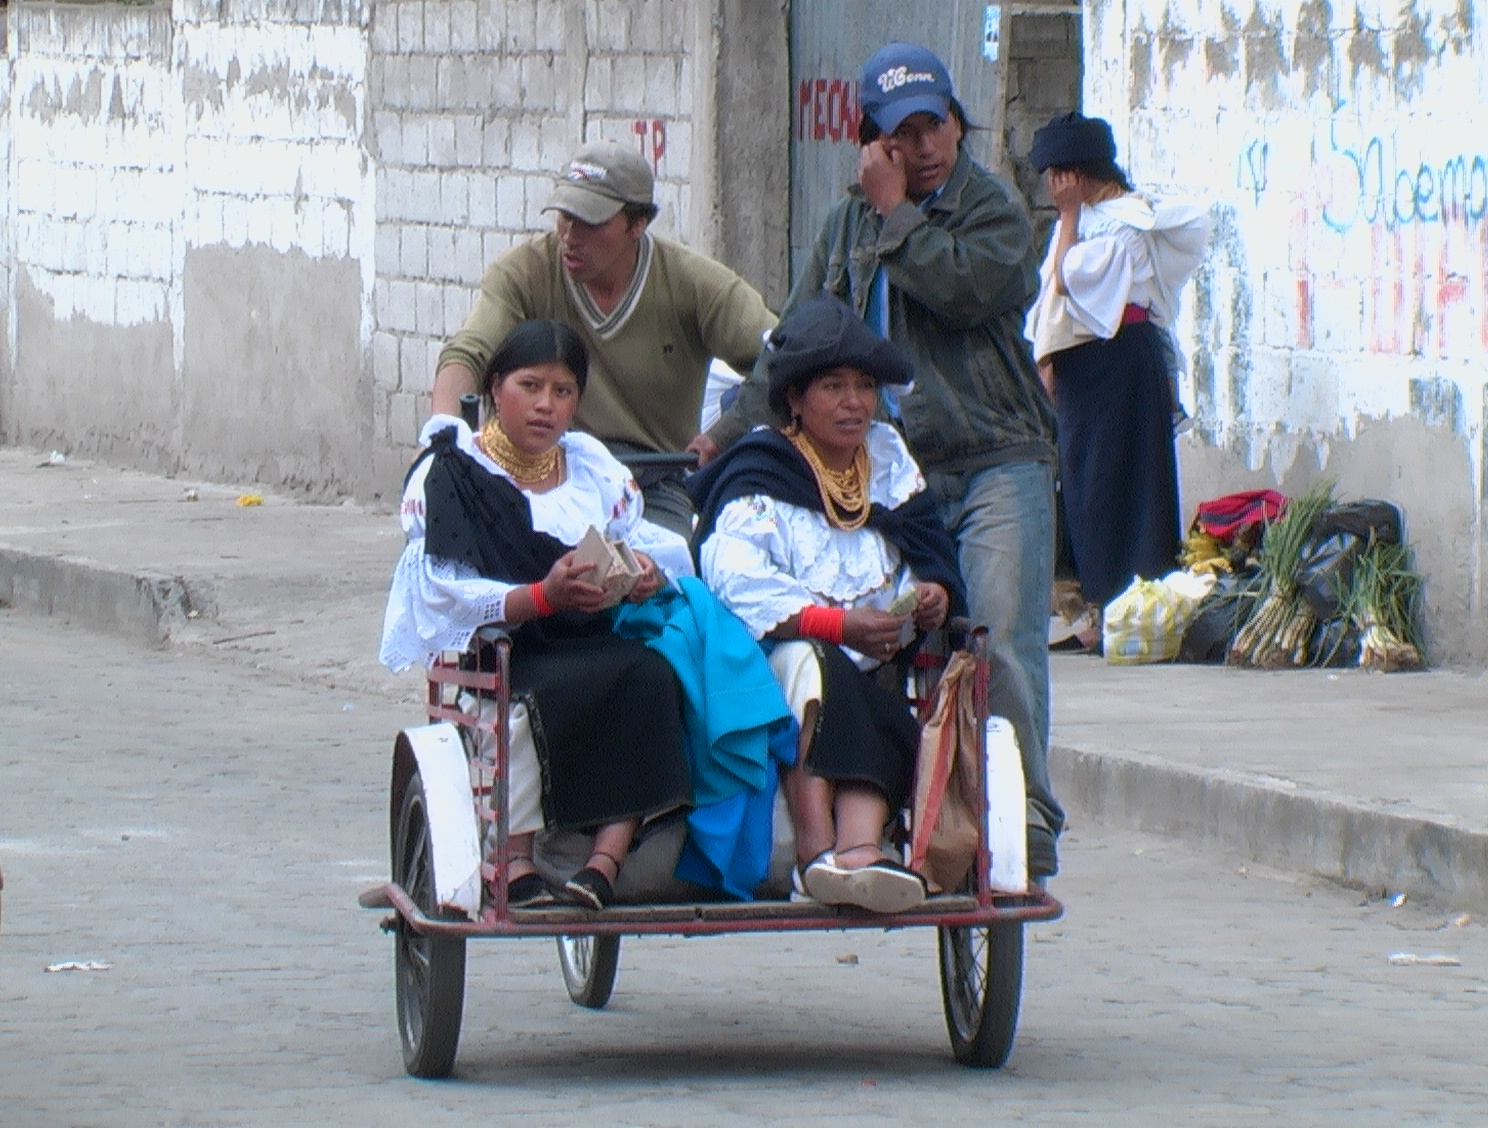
1280 824
142 606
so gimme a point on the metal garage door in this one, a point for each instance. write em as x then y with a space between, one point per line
830 41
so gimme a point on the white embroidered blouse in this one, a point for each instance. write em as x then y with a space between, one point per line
767 559
436 605
1133 250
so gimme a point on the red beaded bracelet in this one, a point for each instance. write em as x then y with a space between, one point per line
824 623
539 599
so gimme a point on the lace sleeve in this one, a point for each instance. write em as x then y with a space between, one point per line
434 606
744 562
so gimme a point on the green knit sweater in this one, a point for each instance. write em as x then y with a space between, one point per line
648 359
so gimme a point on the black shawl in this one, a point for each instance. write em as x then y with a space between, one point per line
765 462
481 520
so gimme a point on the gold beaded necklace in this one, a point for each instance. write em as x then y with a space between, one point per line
525 469
844 493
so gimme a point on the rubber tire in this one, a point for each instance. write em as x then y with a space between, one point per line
428 971
589 965
981 981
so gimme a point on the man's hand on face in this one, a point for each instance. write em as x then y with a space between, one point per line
883 177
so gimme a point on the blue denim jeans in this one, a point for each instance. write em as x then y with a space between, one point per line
1003 521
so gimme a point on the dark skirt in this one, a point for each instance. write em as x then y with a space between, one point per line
607 722
1117 464
864 732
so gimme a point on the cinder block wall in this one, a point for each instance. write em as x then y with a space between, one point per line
476 105
241 231
1044 75
191 214
1340 327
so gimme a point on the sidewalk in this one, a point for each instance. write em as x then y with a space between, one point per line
1373 780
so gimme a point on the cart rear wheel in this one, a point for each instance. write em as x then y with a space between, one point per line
981 978
429 971
589 967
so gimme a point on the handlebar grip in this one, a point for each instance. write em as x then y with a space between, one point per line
660 460
470 410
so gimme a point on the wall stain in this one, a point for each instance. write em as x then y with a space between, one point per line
1222 52
200 88
116 101
1141 66
1413 52
1225 262
83 99
1366 52
1312 49
1176 46
1437 402
1460 27
1265 57
319 89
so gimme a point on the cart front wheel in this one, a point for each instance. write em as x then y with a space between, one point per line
981 978
429 971
589 967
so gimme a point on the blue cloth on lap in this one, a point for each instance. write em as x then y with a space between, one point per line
738 728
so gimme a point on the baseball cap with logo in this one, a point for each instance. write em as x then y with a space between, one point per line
902 79
599 180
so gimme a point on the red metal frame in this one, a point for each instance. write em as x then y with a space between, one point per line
447 676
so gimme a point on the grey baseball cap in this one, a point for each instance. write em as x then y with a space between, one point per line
599 180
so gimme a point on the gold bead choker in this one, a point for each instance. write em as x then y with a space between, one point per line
844 493
525 469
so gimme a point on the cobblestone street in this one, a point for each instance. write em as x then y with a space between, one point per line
204 830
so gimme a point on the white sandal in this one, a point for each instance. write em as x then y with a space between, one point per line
882 886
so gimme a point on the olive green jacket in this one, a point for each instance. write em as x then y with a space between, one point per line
962 272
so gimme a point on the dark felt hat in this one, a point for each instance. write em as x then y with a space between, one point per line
823 334
1072 139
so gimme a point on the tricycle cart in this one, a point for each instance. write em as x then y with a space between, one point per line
449 863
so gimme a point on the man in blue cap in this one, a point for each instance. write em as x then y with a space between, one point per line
936 254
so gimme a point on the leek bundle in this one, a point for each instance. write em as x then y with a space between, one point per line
1278 634
1384 599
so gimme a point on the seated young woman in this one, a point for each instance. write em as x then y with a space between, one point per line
822 538
492 520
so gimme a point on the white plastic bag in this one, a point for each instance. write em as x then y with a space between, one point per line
1145 623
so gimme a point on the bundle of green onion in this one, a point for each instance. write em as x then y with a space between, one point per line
1278 634
1384 600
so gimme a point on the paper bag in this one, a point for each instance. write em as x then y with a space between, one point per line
947 815
615 566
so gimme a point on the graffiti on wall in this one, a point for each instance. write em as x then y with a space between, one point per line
827 110
652 135
1418 221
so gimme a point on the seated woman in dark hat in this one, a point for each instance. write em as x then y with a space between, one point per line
492 520
822 537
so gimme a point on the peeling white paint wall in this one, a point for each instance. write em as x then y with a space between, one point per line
142 136
240 230
96 158
1340 326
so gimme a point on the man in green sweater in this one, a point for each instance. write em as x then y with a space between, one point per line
652 312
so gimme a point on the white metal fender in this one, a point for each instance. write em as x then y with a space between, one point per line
453 831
